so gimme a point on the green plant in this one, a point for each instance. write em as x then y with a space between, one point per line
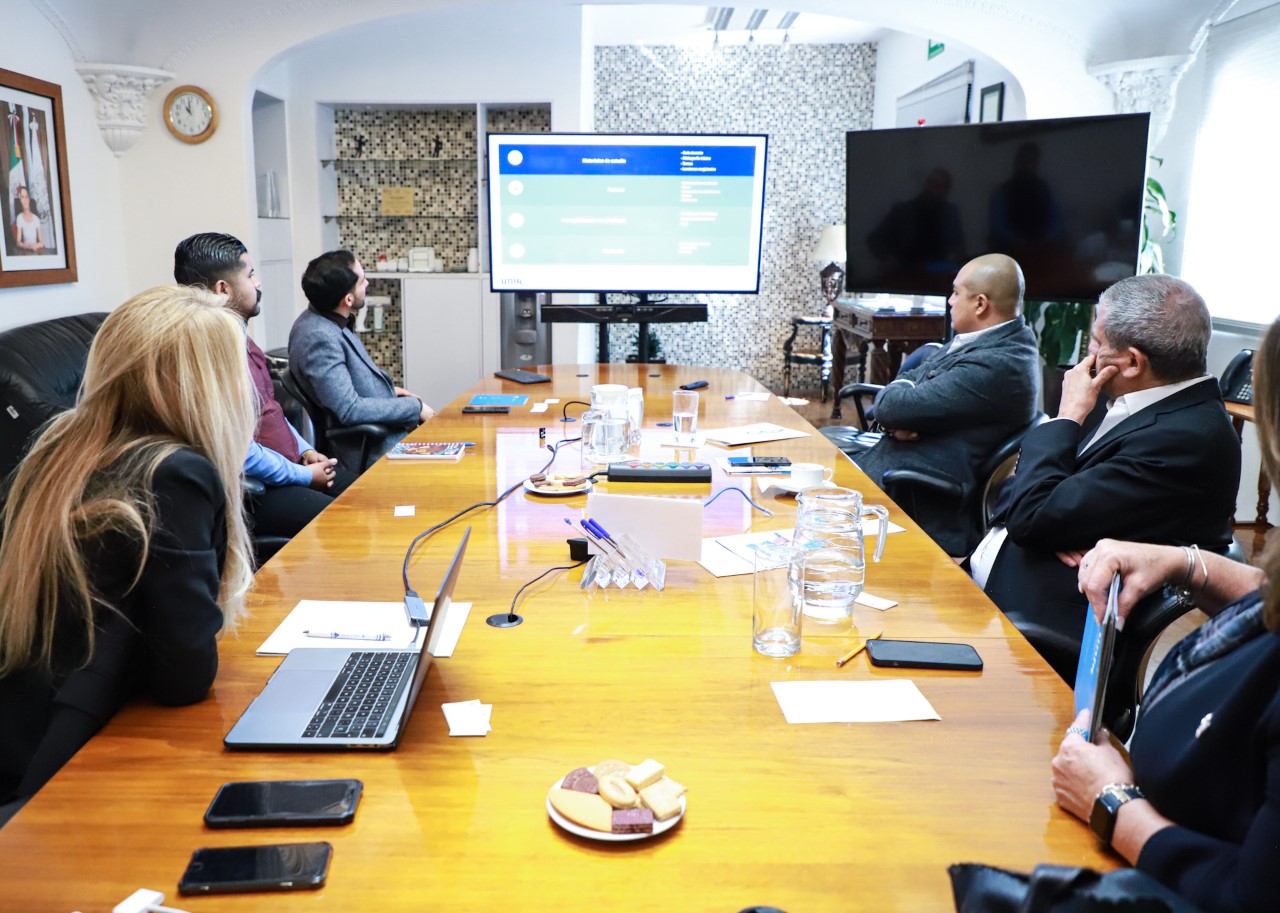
1156 214
1062 328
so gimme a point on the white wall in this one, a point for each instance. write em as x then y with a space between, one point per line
95 195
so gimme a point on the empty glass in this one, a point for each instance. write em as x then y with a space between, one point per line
775 610
684 415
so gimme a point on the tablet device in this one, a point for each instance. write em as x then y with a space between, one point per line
921 654
1096 649
263 803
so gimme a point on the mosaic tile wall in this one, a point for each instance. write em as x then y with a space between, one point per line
432 151
805 97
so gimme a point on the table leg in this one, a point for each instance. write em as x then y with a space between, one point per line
838 354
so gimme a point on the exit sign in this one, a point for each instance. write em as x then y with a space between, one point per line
935 48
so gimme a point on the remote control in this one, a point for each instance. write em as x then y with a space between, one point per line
649 471
696 385
496 410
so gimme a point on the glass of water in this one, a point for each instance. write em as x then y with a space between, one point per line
684 415
775 616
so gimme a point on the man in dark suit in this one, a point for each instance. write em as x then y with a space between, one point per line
331 363
1142 449
949 414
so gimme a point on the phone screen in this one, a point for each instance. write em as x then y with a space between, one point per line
919 654
265 802
238 869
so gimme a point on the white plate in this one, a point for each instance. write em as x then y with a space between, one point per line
560 493
659 827
790 487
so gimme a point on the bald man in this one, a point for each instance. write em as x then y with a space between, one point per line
949 414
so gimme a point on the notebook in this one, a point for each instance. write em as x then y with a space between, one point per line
1096 649
324 698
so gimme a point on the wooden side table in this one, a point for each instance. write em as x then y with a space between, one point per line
880 337
1241 413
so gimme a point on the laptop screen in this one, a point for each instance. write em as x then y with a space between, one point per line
436 625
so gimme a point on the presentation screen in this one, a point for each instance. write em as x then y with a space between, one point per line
625 212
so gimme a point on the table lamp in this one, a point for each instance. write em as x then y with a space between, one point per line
831 250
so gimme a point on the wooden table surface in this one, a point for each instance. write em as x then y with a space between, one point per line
801 817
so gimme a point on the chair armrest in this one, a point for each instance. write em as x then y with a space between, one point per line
253 488
811 321
897 478
367 429
859 389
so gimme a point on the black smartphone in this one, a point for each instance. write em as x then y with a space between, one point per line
496 410
759 461
242 869
920 654
263 803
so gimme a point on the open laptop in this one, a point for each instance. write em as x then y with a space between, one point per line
336 698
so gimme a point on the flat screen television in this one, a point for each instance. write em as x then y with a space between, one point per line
646 213
1063 197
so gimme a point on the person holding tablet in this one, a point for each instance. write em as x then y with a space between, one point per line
1197 806
125 553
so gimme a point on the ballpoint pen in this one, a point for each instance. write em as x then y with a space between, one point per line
338 635
857 648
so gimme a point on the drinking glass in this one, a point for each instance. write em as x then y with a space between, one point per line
775 610
609 440
684 415
589 420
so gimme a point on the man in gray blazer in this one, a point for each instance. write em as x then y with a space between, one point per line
949 414
331 364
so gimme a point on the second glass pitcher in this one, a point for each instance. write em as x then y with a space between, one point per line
829 532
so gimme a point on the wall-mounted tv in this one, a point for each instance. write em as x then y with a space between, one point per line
625 212
1063 197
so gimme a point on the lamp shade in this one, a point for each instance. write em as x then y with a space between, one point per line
830 247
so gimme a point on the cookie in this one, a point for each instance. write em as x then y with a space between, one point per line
604 768
663 798
581 780
583 809
617 791
645 774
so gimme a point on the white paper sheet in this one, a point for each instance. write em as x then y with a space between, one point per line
365 618
889 701
720 562
468 718
405 510
758 433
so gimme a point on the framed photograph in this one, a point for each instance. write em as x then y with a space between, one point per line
38 247
991 104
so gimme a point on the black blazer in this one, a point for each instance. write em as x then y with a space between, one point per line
162 642
1167 475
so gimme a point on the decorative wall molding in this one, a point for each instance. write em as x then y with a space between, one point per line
1148 84
120 95
55 19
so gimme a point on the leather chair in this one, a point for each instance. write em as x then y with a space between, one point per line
325 431
850 440
820 356
41 367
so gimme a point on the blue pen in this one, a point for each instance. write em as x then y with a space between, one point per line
338 635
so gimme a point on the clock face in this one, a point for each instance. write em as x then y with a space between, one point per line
190 114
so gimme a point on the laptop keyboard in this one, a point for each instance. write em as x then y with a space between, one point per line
362 698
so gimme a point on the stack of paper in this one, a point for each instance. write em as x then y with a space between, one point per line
468 717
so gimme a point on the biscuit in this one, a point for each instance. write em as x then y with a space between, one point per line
581 780
645 773
617 792
663 798
604 768
585 809
632 821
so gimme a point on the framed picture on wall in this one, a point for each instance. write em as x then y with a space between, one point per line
991 104
38 247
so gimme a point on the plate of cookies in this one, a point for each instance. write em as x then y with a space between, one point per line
557 484
617 801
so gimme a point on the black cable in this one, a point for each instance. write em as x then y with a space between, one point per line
512 618
564 410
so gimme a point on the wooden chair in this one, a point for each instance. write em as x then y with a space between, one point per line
820 356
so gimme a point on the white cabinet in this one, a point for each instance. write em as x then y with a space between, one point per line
450 333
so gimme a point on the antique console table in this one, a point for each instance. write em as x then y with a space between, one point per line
879 336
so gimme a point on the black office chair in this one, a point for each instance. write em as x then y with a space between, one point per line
821 356
366 432
906 485
852 441
264 546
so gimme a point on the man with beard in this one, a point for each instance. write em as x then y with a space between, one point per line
300 482
331 364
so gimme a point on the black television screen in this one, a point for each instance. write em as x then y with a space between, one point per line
1063 197
625 212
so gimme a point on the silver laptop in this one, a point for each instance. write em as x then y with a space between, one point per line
343 698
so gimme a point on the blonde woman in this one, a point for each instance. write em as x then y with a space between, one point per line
125 553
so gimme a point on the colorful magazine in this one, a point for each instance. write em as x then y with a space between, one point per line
424 450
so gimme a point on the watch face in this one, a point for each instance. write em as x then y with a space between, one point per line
190 114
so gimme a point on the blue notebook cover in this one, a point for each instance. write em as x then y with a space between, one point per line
1095 660
498 399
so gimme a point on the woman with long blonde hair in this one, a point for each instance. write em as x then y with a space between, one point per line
125 553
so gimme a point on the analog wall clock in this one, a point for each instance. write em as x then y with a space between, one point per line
190 114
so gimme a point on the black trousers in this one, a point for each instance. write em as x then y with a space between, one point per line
283 510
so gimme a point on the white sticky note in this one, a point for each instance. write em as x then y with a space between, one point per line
874 602
888 701
551 402
405 510
538 407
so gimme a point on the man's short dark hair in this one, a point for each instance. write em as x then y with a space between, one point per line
328 279
206 258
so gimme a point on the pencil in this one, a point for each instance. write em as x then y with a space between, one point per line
857 648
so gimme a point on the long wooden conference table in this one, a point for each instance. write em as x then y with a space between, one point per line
815 817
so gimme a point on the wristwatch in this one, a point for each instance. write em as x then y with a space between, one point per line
1102 820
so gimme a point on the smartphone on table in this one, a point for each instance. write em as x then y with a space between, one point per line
780 462
264 803
920 654
243 869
